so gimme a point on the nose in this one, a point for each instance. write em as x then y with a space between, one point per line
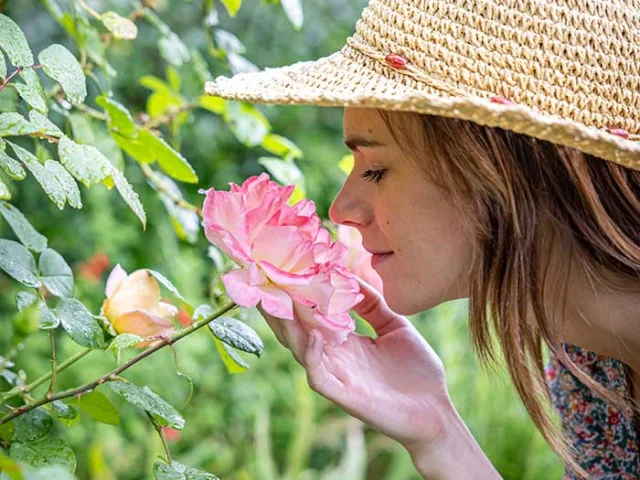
351 206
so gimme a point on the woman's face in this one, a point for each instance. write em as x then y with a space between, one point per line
419 246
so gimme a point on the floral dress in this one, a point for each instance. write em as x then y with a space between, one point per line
606 438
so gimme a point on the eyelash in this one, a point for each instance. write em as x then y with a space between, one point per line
374 176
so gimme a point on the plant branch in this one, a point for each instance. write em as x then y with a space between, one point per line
36 383
10 77
52 386
114 373
158 429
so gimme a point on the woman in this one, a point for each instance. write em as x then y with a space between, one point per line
496 158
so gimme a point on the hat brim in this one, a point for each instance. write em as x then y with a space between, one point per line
347 79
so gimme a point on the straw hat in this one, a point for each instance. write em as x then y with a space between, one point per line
566 71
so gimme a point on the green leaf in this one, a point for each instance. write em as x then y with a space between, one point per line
13 124
185 222
85 162
213 104
47 473
154 83
293 10
129 196
5 193
81 129
174 78
44 177
285 172
178 471
66 182
31 305
7 431
79 323
3 66
32 91
147 148
44 452
14 43
146 399
247 124
169 286
231 360
56 274
18 263
63 410
60 64
237 334
8 100
120 118
9 165
28 235
228 42
98 406
122 341
9 469
42 124
173 50
281 146
32 425
232 6
122 28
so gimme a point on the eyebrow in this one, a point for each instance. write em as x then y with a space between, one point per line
355 141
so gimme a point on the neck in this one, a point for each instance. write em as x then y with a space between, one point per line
602 320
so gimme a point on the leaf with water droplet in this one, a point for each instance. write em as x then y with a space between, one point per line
25 232
60 64
18 263
14 43
145 398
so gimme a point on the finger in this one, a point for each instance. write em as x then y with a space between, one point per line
290 334
375 310
318 377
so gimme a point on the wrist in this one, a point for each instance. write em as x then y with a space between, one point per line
456 454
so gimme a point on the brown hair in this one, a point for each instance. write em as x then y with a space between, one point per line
521 198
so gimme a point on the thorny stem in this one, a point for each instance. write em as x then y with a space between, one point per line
112 375
36 383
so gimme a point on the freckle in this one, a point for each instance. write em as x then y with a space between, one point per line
388 222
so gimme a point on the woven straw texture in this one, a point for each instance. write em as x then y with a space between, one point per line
571 67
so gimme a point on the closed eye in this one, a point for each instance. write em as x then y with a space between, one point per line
374 176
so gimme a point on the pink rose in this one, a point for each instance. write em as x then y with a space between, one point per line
286 259
133 305
358 259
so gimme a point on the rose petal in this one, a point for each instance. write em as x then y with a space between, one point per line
116 277
142 323
239 289
277 302
138 291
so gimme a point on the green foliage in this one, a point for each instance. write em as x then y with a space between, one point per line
121 105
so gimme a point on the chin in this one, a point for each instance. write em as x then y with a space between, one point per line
402 304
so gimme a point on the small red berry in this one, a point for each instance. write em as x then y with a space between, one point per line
502 101
396 61
619 132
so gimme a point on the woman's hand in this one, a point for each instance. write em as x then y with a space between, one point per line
394 383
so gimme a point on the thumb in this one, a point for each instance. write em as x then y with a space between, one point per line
375 310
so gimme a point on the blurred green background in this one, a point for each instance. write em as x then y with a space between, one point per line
265 423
